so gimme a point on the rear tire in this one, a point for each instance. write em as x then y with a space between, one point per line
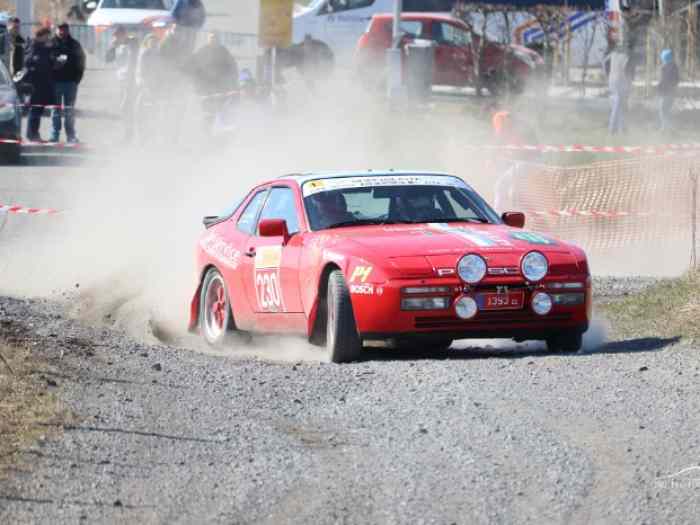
342 340
215 315
566 342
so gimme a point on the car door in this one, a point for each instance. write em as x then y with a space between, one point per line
271 265
228 245
345 21
452 54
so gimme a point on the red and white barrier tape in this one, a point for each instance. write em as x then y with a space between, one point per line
580 148
5 208
591 213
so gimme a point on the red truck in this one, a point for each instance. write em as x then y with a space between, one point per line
454 40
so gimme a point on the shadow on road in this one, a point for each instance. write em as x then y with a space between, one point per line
51 159
510 350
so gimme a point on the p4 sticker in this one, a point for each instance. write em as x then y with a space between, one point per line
360 274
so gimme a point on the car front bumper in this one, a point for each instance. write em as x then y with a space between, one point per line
378 313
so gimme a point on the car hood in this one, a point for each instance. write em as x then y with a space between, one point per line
421 249
124 16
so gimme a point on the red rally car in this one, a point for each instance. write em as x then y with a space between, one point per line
408 258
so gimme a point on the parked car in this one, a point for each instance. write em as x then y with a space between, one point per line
10 118
410 259
333 26
455 43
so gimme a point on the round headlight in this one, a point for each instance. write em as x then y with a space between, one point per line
471 268
542 303
534 266
466 307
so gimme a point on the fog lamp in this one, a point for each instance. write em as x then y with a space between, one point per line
466 307
541 303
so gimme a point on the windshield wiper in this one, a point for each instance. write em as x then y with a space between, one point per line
468 219
359 222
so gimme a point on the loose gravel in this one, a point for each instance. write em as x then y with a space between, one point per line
508 434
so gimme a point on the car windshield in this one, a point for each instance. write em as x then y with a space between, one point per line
354 201
161 5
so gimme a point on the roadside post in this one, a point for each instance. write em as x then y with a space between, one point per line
393 56
24 10
274 32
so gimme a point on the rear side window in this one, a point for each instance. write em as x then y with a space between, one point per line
282 205
247 220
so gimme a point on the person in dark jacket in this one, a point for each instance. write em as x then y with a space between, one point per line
215 73
67 78
670 77
40 63
15 46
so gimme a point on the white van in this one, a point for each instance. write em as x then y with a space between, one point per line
335 26
338 24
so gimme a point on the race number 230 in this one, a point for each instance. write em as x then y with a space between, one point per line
267 285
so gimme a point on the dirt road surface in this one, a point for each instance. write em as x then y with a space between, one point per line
165 433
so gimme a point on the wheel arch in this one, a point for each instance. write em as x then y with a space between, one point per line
317 319
193 326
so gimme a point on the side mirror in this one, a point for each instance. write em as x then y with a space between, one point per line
514 219
274 228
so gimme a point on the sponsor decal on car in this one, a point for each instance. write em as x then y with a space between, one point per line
268 257
268 289
216 247
480 239
532 238
343 183
362 289
360 273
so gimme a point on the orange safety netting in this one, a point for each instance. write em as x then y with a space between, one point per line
642 200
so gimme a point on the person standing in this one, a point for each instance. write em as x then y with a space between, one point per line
668 83
216 76
67 78
124 52
619 84
40 63
14 47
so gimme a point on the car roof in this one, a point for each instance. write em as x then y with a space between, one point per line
301 178
444 17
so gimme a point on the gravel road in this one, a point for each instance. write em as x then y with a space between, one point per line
168 435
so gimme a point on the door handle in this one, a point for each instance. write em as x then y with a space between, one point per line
250 252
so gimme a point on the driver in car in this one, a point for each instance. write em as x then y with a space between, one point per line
332 208
417 205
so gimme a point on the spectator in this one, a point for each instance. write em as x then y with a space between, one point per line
670 77
190 15
14 48
67 78
216 76
620 85
124 52
40 63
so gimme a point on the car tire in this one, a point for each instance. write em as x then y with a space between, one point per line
215 315
567 342
342 340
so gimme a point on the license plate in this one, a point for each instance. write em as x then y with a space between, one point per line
501 301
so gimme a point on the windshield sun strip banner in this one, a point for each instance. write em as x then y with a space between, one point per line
344 183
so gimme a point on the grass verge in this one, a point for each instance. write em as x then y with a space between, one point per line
670 308
26 403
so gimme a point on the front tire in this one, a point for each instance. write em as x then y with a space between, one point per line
566 342
215 315
342 340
